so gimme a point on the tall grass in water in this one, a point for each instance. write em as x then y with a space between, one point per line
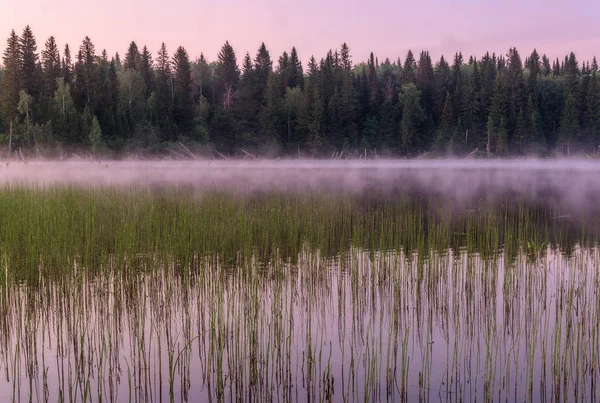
145 294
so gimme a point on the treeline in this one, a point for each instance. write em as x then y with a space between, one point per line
498 105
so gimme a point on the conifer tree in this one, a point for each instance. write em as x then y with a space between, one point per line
86 73
263 66
409 71
132 57
51 66
446 126
346 58
29 61
272 114
11 82
183 101
67 66
162 105
412 117
593 107
228 75
569 124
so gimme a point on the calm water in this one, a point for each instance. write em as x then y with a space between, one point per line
365 325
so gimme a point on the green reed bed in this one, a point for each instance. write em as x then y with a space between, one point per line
44 231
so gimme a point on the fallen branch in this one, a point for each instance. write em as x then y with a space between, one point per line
188 150
248 154
472 153
221 155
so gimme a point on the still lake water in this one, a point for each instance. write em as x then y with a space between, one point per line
451 323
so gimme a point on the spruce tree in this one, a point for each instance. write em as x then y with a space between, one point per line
163 98
51 66
296 73
146 70
409 71
228 75
412 117
132 57
29 61
272 115
593 107
183 101
263 66
346 58
521 136
446 126
443 77
427 86
569 124
11 82
67 66
86 73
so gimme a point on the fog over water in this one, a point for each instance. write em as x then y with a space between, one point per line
575 182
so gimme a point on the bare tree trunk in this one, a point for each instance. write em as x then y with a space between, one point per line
10 138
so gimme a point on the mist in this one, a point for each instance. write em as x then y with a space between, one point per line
574 182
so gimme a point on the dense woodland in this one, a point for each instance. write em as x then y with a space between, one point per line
57 100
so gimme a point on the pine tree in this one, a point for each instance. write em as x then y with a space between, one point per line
296 73
183 101
412 117
569 123
515 86
29 61
521 137
146 71
571 74
497 114
51 66
426 83
263 66
162 105
593 107
132 57
67 66
227 74
247 107
409 71
346 58
546 68
348 113
283 69
502 142
443 77
272 118
11 82
316 116
86 73
447 123
534 70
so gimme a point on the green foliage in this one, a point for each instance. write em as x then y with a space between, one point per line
500 102
412 117
95 136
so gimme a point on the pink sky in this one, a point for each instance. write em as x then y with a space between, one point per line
388 28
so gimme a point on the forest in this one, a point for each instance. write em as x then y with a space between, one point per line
57 100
